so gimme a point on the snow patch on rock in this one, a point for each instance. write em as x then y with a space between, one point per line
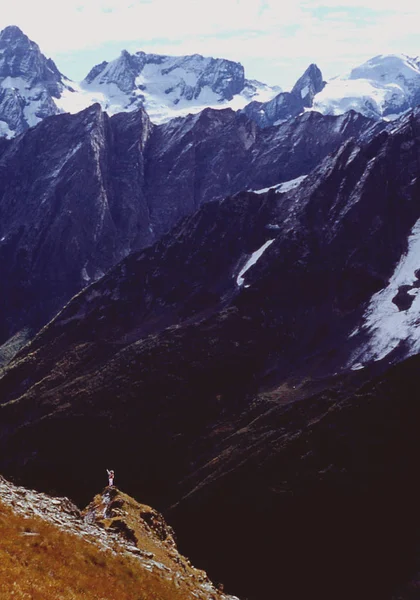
5 130
386 324
286 186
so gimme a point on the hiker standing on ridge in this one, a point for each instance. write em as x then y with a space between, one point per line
111 476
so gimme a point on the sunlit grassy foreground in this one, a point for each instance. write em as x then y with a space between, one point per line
38 561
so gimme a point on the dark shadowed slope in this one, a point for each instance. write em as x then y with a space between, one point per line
217 384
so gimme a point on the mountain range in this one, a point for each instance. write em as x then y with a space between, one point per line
224 307
32 87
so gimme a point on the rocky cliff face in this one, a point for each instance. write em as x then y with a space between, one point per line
78 193
21 58
218 153
71 206
218 360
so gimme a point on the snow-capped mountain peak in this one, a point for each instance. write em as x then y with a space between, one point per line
387 68
121 71
20 58
179 76
31 86
383 87
28 83
169 86
286 105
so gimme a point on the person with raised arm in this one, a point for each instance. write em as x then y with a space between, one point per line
111 476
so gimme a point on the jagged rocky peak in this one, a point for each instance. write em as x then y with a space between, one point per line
121 71
13 37
170 86
180 77
310 84
21 58
28 83
12 34
288 104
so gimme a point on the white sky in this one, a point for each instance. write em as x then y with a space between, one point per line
274 41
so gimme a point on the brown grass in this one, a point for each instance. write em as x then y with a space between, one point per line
38 561
163 547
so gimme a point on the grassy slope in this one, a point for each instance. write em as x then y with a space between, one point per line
38 561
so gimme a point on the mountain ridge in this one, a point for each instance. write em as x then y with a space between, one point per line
107 185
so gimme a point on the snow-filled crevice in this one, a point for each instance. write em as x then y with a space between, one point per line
255 256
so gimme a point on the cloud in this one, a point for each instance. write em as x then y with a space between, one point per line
77 23
274 41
